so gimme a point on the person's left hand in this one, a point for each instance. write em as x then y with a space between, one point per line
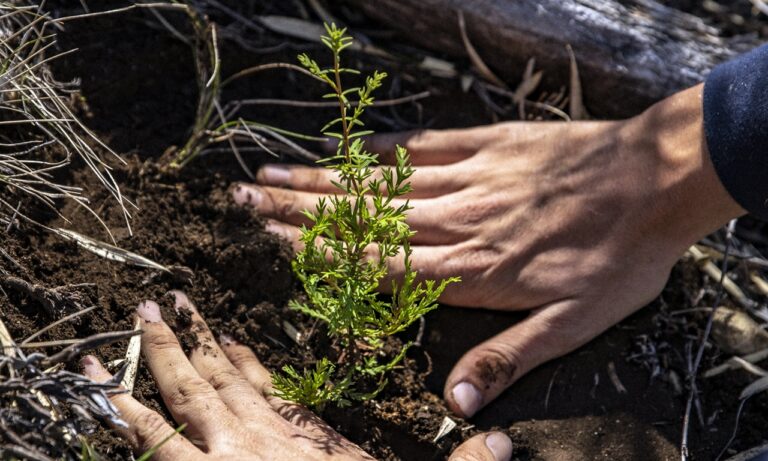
222 392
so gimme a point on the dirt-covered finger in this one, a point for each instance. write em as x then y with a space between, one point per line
212 364
273 202
261 379
189 397
146 428
488 369
243 358
491 446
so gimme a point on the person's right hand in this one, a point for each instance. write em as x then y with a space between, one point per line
580 223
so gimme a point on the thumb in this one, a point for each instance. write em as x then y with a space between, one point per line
489 368
490 446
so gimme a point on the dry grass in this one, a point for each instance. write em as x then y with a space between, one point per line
40 134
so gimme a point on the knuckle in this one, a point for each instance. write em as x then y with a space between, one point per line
497 365
189 392
224 378
150 429
315 179
477 212
285 203
240 357
160 341
470 260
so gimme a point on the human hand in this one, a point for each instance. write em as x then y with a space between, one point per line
580 223
222 392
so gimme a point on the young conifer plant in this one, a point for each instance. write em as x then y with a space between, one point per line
353 235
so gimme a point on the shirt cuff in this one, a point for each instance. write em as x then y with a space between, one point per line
736 128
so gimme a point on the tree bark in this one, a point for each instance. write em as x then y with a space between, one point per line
631 53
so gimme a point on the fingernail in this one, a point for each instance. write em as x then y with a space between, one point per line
149 311
277 175
91 365
500 445
226 340
467 397
243 195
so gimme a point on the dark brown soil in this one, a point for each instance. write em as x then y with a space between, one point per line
139 86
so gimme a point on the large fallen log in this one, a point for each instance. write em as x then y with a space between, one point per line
630 53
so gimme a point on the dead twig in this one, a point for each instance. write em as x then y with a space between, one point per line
732 364
58 322
91 342
53 300
576 103
709 268
474 56
319 104
691 378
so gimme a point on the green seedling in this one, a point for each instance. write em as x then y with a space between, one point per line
353 236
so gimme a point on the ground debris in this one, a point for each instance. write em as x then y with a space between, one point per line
50 407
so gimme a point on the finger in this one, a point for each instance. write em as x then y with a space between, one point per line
491 446
260 378
146 428
213 365
243 358
291 234
489 368
433 147
427 181
189 397
281 204
427 216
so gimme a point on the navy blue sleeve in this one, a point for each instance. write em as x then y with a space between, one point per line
736 128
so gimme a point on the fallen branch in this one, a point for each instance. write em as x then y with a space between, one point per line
639 50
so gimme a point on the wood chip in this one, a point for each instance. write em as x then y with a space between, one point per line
292 332
6 342
445 428
438 67
615 378
736 332
132 356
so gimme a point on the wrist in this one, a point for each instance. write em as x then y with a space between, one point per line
690 201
